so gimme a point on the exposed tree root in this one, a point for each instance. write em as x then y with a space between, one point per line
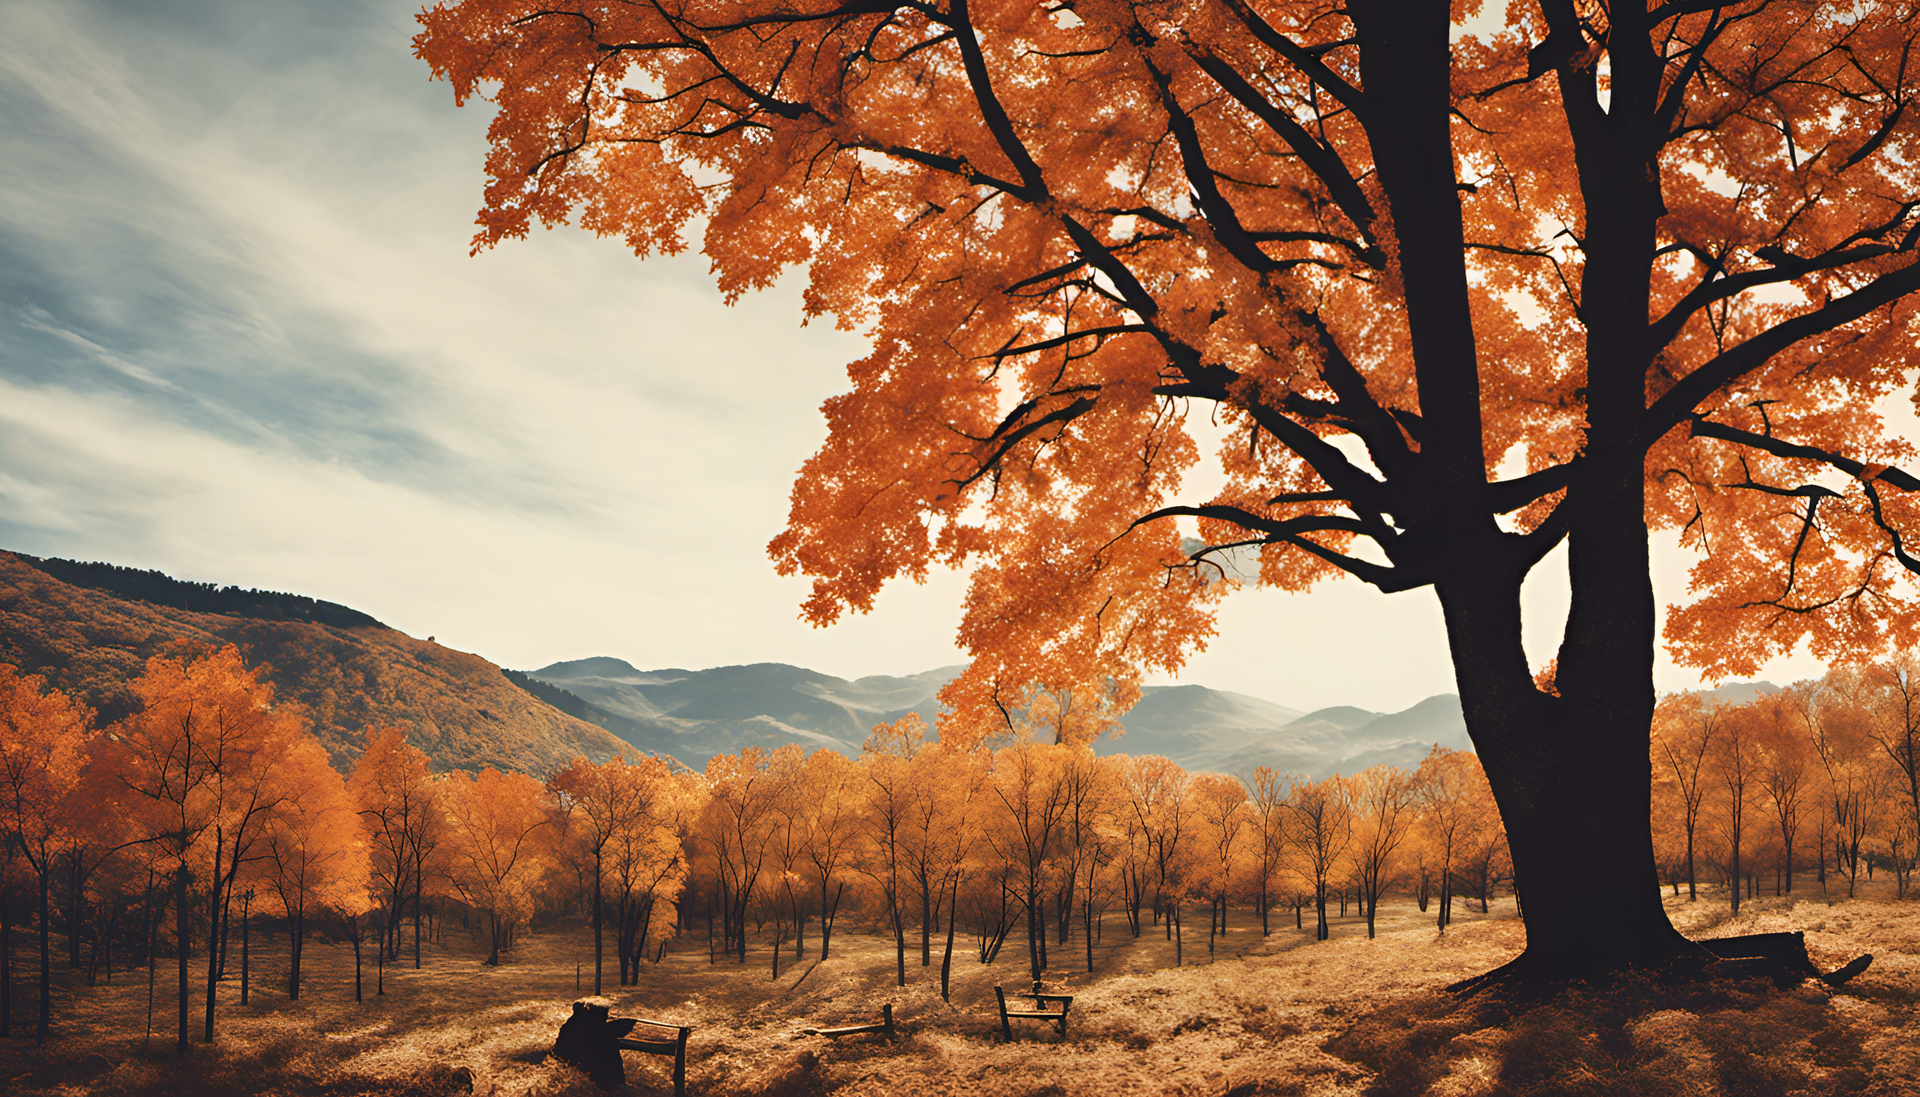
1781 957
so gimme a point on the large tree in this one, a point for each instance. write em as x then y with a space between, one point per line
1465 284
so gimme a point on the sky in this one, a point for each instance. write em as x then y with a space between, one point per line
242 341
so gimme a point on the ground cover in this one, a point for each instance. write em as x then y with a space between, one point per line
1275 1015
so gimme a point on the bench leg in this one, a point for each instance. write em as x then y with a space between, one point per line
1006 1028
680 1065
886 1012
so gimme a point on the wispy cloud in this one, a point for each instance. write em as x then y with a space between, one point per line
41 320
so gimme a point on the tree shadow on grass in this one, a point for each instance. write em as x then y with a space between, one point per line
1641 1034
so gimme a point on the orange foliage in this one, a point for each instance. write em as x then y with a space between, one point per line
492 818
1457 292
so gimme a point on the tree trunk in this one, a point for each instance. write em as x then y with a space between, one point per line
153 959
295 926
899 941
6 970
926 925
246 924
417 887
599 949
182 930
946 958
214 892
46 956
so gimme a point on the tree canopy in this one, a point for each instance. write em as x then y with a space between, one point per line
1463 281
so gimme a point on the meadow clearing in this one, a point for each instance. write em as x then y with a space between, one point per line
1264 1016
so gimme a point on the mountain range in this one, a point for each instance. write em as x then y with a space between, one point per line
693 715
89 629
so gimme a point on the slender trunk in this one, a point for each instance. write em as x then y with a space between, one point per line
153 961
214 892
1033 938
899 941
1086 928
946 957
6 970
1734 863
926 924
418 885
799 925
1040 923
356 963
295 946
1173 919
180 901
46 958
246 925
599 949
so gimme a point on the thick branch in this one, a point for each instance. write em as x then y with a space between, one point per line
1680 402
1706 428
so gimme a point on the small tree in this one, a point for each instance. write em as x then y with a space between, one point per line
1321 830
316 857
1267 793
43 750
492 818
1383 811
1683 733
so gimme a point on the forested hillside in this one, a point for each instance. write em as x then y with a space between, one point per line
93 641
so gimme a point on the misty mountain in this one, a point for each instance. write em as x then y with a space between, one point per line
695 714
1738 693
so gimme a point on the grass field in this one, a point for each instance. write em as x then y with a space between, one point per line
1275 1015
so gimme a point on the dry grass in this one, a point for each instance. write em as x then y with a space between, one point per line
1273 1016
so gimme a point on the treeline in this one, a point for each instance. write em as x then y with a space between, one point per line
212 809
1823 776
162 589
150 835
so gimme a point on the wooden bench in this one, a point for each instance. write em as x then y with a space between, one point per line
676 1047
885 1026
1038 1013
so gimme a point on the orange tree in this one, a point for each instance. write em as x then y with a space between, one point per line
1466 283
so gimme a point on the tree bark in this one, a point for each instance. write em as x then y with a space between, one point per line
46 956
946 958
246 922
599 949
182 931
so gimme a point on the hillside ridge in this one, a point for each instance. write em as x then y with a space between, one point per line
456 706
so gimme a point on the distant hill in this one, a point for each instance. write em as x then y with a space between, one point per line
1739 693
92 637
696 714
